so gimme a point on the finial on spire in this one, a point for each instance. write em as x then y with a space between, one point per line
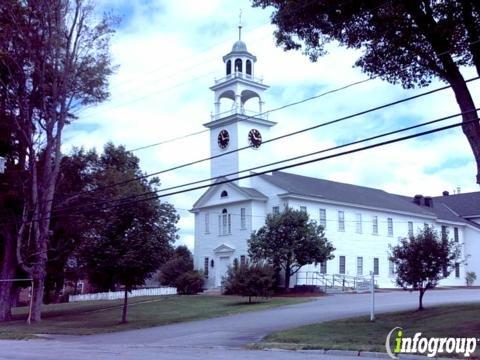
240 25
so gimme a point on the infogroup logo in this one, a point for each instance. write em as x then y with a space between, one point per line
429 346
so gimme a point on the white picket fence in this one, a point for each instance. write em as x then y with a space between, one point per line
113 295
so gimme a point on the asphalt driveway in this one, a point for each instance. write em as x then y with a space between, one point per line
222 337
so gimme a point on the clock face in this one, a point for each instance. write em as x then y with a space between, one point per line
255 138
223 139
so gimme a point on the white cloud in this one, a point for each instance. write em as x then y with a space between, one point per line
170 52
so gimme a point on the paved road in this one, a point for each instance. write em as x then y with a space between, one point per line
223 337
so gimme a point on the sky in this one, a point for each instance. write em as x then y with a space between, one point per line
169 53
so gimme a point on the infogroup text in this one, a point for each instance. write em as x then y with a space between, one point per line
429 346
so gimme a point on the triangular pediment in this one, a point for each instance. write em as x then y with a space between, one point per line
213 196
223 249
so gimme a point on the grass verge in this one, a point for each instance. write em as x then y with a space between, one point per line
92 317
360 334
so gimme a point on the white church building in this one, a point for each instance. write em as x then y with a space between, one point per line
360 222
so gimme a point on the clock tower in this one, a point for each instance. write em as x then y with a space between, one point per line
237 120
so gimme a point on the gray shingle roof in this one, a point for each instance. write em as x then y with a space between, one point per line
365 196
253 193
467 204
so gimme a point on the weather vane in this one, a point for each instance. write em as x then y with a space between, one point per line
240 25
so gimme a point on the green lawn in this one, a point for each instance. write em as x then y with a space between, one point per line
362 335
90 317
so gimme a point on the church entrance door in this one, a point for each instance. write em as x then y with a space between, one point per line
222 267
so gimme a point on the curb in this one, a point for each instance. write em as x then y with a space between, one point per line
378 355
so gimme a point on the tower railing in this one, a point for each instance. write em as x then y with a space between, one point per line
241 75
241 111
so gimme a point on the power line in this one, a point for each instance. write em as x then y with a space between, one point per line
183 83
226 181
258 167
347 152
344 118
344 87
211 57
339 89
276 162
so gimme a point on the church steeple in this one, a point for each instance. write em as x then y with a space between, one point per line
238 119
240 83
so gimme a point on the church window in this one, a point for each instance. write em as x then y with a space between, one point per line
359 228
303 208
249 67
444 231
375 225
341 269
359 265
455 234
235 263
410 228
229 67
224 194
323 218
243 219
389 226
205 267
207 223
376 266
341 221
457 270
391 268
226 223
229 224
323 267
276 210
238 65
243 260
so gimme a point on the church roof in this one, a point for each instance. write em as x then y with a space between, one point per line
239 46
370 197
466 204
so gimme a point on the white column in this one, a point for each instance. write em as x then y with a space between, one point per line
238 102
260 105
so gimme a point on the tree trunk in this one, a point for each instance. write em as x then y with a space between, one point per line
450 73
7 271
420 299
37 293
125 305
473 32
471 126
287 277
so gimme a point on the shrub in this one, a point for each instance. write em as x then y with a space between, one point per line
252 280
189 283
470 278
180 263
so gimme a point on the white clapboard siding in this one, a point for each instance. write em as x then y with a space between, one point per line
120 294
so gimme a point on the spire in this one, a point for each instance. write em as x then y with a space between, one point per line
240 25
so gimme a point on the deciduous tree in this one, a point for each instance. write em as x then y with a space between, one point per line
422 260
54 58
407 42
290 240
127 242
